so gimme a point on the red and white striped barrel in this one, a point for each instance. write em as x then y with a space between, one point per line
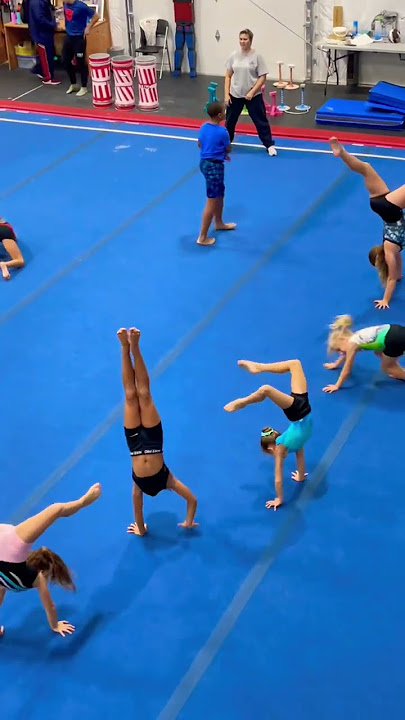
123 69
100 72
147 82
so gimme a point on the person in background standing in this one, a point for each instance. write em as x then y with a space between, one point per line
245 75
79 19
42 26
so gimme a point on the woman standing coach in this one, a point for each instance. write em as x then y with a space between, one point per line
245 75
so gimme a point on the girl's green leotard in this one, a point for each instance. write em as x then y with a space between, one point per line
387 339
371 338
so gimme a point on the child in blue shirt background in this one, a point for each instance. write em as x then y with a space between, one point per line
214 144
79 19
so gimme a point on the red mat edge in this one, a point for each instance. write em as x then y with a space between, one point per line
122 116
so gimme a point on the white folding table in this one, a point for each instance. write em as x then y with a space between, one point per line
353 53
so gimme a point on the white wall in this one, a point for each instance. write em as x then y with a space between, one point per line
372 67
118 23
228 16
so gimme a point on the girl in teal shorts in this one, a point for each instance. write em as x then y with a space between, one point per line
297 409
386 341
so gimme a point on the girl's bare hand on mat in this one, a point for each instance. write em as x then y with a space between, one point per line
381 305
273 504
133 529
64 628
330 388
297 477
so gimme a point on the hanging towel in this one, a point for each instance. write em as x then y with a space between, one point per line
149 26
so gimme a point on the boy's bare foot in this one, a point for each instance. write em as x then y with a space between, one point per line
5 271
337 149
133 529
91 495
186 524
206 241
225 226
250 366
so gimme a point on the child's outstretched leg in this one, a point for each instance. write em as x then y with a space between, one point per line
184 492
373 182
282 400
298 379
132 415
149 415
30 530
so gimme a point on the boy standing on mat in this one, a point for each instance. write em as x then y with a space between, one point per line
214 144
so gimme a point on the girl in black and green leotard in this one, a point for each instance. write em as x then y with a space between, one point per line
386 341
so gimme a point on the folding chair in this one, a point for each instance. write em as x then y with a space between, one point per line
162 31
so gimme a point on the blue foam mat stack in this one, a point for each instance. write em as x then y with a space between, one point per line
384 109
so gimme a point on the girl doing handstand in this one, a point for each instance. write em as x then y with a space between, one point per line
296 408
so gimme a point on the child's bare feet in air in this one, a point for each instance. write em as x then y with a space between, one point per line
232 406
337 149
92 494
250 366
134 334
122 336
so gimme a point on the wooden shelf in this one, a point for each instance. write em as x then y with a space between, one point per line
98 40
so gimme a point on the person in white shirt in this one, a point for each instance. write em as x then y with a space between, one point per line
245 75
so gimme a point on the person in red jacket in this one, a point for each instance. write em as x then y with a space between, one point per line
8 241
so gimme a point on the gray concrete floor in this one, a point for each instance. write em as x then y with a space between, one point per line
179 97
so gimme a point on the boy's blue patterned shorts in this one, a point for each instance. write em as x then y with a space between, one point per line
214 174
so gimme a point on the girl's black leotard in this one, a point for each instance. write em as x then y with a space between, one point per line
6 232
393 219
17 576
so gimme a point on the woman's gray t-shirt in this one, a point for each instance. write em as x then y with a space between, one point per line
246 68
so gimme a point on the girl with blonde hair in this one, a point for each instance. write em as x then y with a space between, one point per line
386 257
386 341
22 568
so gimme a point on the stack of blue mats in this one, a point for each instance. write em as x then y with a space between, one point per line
357 113
388 95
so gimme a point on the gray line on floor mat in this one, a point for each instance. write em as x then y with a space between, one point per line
93 438
225 625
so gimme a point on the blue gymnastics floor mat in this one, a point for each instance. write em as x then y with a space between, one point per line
358 113
388 95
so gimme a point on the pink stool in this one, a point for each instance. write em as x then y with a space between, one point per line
274 111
